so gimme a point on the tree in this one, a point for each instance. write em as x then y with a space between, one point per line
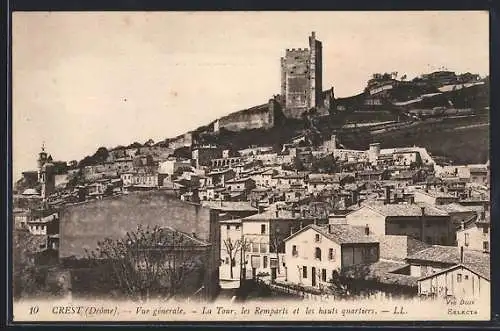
135 144
23 265
298 164
244 248
75 179
328 164
27 278
101 155
336 286
276 244
232 247
150 261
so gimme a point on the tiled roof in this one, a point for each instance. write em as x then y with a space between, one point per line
229 205
45 219
435 194
371 172
291 176
219 172
404 174
451 255
380 271
237 180
454 208
478 169
481 270
344 234
409 210
270 214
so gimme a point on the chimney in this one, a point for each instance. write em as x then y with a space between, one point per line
354 196
303 213
422 208
461 254
277 213
462 225
387 199
291 230
330 228
367 230
193 234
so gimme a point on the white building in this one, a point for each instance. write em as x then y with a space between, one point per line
232 247
169 167
315 253
475 234
461 281
44 225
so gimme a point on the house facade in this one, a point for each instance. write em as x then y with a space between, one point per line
460 281
475 234
419 221
315 253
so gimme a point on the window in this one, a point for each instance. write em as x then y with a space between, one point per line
265 262
228 227
237 227
233 262
263 247
485 230
295 252
323 275
466 277
317 253
304 272
459 278
262 229
486 245
466 239
255 247
227 260
317 238
330 254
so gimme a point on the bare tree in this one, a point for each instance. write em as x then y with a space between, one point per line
244 248
276 243
232 247
151 261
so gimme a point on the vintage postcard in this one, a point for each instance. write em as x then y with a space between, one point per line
250 166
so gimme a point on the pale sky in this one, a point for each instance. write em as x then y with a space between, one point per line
84 80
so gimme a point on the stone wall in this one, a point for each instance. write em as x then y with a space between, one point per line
258 117
83 225
184 140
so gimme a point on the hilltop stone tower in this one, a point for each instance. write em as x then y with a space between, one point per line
301 78
46 175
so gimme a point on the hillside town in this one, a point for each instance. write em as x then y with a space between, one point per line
308 218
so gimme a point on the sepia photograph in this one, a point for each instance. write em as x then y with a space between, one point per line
250 166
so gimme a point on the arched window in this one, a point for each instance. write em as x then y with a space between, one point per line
317 253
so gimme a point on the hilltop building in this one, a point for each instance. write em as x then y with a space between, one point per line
301 79
46 175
